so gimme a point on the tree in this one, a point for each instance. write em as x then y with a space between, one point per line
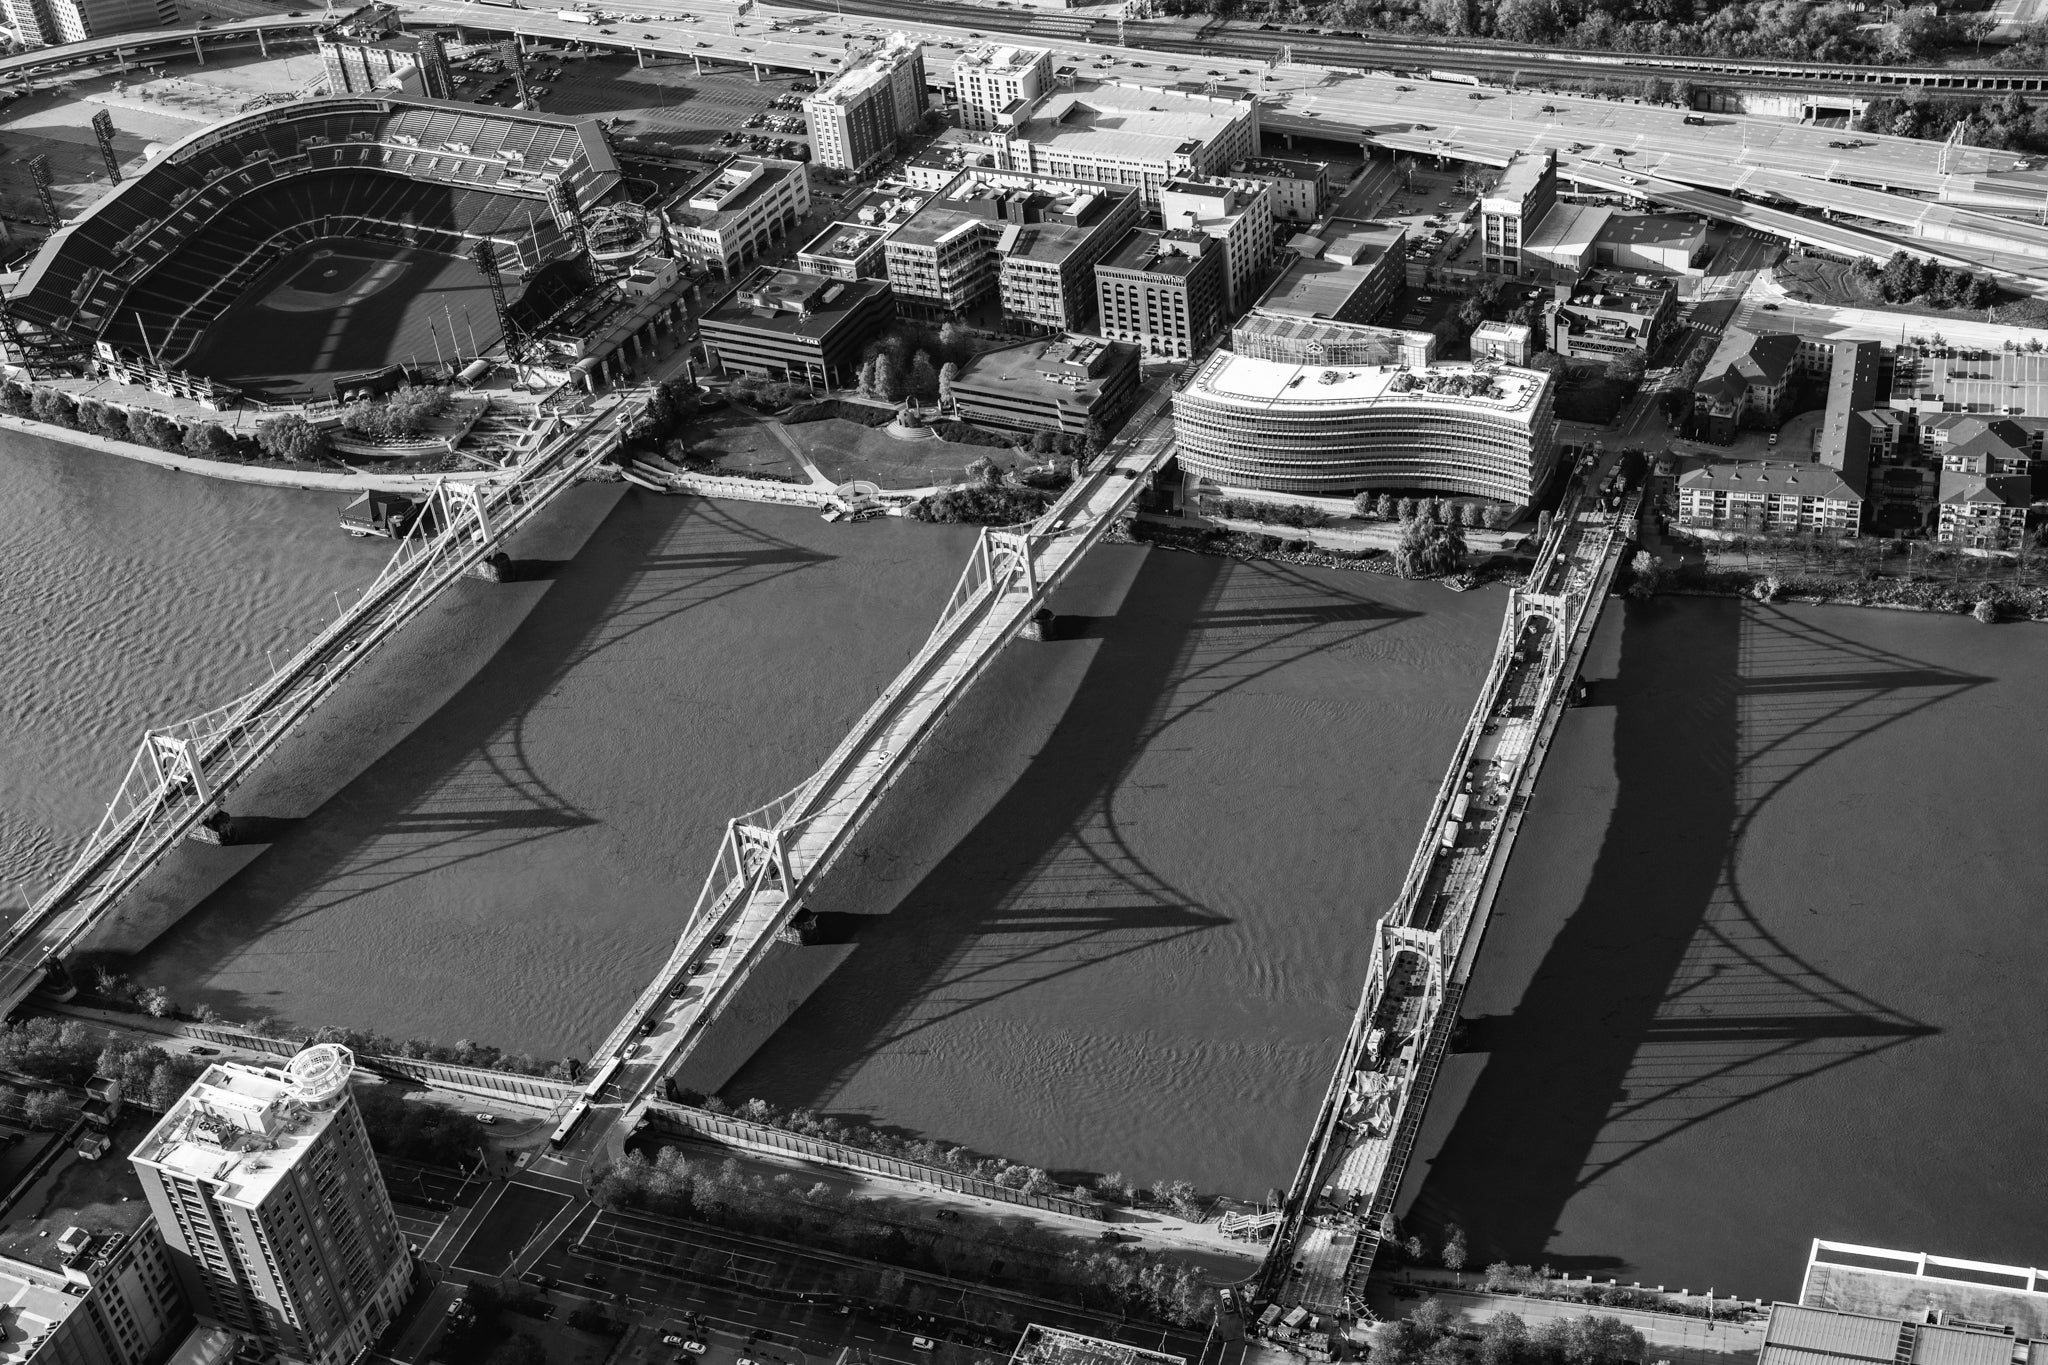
42 1108
208 441
1454 1250
888 380
1363 505
291 437
1646 573
1426 549
55 407
1407 508
949 374
924 378
155 429
113 423
1383 506
867 378
956 343
1627 368
156 1001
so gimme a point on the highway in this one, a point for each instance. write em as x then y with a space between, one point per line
1886 180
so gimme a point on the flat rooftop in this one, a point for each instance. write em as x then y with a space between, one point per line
1880 1282
1006 60
1290 167
815 304
1315 288
1652 230
1051 368
1497 389
857 80
1568 229
34 1301
844 241
1144 249
238 1128
1052 1346
1132 123
1611 292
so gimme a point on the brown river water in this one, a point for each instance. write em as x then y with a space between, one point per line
1757 976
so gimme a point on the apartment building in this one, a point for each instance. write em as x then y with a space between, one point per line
78 20
1752 497
1139 137
1029 243
1239 217
735 214
847 251
1983 511
992 83
855 119
1162 291
1511 211
272 1208
103 1298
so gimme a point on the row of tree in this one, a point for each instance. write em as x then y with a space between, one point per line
1386 507
69 1052
400 415
1906 277
1830 32
287 437
1436 1335
1026 1255
2007 122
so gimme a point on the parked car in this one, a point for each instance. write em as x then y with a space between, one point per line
922 1344
486 1119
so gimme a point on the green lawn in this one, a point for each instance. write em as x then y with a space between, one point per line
847 450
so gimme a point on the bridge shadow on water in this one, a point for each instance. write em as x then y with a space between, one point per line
1665 1002
463 786
1049 883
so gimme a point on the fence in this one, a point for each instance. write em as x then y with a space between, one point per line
752 490
685 1119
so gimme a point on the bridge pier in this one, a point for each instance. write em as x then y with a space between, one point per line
197 55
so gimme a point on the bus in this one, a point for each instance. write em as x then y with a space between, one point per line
568 1125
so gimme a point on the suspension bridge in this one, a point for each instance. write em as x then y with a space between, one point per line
182 773
771 858
1340 1205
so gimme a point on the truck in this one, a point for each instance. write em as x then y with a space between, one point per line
575 16
390 515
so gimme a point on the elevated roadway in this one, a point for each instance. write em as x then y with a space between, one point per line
771 858
182 773
1337 1208
165 42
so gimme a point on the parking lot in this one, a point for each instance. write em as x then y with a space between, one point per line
666 107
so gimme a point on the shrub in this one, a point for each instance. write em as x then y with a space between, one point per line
1986 611
398 415
55 407
208 441
16 398
1272 514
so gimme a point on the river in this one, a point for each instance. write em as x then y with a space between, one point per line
1755 979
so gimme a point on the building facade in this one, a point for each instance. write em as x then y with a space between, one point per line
738 212
1239 218
1300 188
805 327
112 1299
369 50
1066 384
1136 137
1607 315
1162 292
1511 211
1264 336
992 83
1756 497
1028 243
1482 430
272 1208
856 118
1983 511
78 20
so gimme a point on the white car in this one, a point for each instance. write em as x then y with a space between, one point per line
486 1118
922 1344
1631 180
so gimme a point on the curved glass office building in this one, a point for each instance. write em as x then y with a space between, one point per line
1483 430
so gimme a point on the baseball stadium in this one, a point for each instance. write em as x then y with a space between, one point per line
279 250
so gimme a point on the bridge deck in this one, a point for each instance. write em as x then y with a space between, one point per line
746 901
1358 1152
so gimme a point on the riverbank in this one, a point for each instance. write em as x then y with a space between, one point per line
260 475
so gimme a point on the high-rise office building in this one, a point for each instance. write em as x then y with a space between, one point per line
855 119
273 1210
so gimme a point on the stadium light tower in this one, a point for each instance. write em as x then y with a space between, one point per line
39 171
486 257
103 129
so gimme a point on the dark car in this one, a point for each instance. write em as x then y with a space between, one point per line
593 1279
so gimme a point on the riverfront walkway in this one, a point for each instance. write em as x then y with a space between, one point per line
1423 948
771 858
182 773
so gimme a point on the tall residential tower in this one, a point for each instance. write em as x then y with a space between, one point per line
275 1214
